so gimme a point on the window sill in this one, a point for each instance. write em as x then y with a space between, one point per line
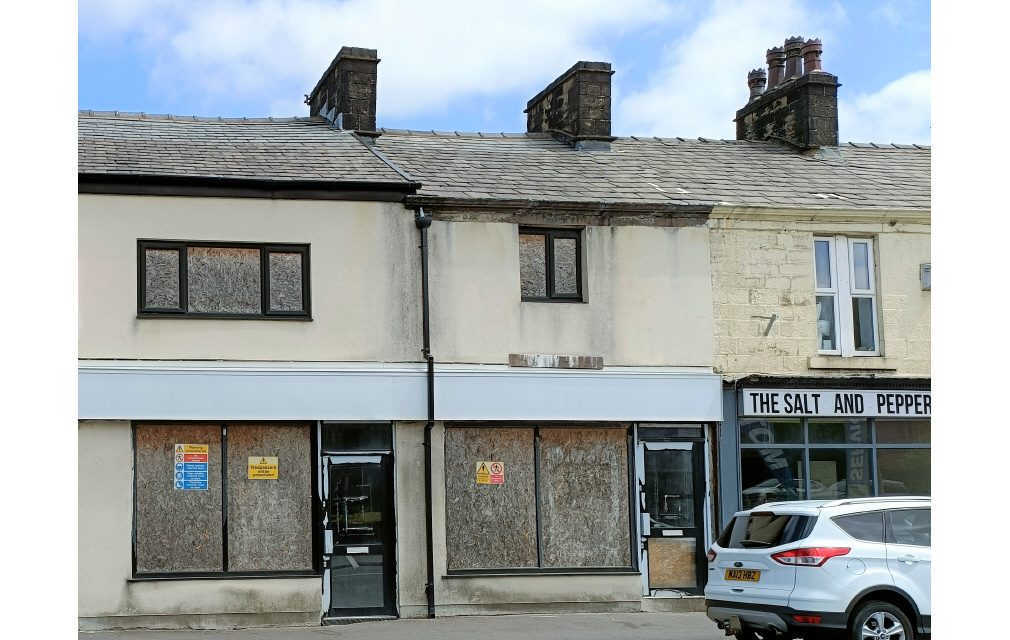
861 363
211 316
222 576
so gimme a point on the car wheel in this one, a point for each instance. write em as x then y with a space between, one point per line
878 620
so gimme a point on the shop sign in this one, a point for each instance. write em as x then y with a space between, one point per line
191 466
826 403
490 473
262 467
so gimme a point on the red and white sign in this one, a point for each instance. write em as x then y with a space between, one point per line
497 473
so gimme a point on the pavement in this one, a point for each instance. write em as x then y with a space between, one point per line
568 626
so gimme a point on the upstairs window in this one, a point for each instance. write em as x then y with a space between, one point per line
223 280
550 265
846 296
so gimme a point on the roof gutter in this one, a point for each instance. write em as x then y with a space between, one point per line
229 187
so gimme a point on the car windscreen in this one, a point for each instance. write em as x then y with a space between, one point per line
764 529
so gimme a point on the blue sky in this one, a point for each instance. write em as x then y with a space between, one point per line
680 67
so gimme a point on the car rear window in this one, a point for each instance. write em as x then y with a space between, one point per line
764 529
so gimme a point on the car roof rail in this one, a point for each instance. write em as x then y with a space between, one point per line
871 500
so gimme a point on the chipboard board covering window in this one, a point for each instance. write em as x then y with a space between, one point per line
558 484
222 280
217 498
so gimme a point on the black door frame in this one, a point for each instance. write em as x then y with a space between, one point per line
697 449
332 549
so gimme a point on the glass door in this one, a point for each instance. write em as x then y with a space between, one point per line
358 554
671 503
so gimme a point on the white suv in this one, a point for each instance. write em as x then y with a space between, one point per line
856 568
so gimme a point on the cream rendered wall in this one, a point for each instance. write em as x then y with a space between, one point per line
411 524
762 264
106 596
646 290
365 282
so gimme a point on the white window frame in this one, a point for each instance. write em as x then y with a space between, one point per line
844 290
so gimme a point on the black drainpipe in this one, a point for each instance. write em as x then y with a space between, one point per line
422 222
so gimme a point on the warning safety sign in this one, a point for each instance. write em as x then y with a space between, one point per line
262 467
490 473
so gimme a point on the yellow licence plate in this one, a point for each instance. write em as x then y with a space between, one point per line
748 575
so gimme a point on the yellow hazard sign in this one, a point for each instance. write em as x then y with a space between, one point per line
490 473
262 467
192 448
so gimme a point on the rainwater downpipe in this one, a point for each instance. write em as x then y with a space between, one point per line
422 222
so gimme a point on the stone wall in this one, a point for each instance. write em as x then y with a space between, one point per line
765 267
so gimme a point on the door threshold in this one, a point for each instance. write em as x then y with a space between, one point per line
353 619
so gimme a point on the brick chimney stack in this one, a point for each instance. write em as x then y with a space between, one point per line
575 107
800 106
345 95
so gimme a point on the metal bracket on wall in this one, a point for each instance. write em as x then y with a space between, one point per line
770 319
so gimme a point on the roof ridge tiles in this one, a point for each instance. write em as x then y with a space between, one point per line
128 115
889 145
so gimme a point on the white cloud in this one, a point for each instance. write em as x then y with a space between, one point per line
898 113
703 79
217 57
432 52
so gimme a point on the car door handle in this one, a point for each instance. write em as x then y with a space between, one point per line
908 559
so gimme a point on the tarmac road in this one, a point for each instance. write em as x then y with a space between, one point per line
569 626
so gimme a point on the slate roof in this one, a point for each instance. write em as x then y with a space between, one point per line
303 149
667 170
509 166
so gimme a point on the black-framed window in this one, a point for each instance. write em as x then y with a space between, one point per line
555 485
222 279
223 499
550 264
831 458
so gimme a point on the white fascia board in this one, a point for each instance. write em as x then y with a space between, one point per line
175 390
156 390
496 392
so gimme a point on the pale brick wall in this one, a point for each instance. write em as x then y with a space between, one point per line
761 268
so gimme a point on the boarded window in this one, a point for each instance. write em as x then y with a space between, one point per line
584 488
178 530
162 278
181 512
549 265
224 280
269 521
582 500
490 525
533 265
220 280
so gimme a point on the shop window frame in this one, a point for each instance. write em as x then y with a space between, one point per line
550 235
225 573
183 310
805 447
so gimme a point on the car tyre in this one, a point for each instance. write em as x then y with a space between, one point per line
877 620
